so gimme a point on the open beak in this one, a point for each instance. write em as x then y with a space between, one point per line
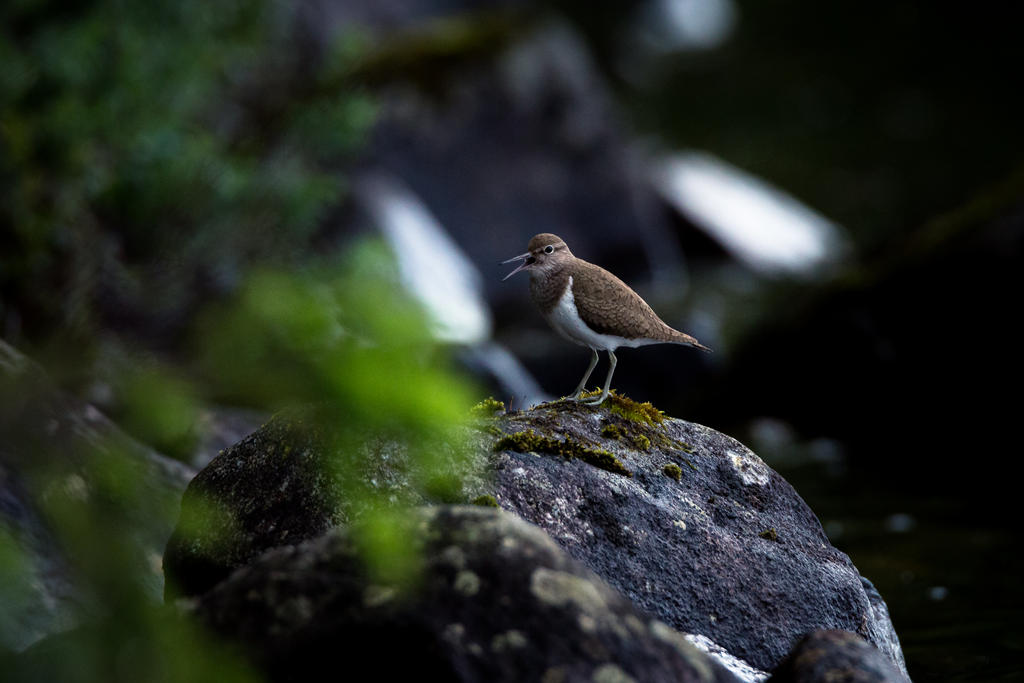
527 260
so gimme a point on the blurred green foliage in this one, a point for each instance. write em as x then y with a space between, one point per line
159 647
150 152
17 594
345 338
159 406
106 519
164 169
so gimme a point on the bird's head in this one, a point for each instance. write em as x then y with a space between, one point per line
545 252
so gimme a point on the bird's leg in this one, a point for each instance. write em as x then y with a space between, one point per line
607 381
586 375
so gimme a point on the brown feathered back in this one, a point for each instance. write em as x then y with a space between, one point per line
609 306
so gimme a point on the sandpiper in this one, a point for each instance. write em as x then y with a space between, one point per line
589 306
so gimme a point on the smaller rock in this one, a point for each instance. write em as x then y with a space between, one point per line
838 657
272 488
496 600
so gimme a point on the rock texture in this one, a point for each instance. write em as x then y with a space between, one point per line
496 600
837 657
729 551
284 484
687 523
272 488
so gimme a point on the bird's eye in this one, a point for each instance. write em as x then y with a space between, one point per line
548 249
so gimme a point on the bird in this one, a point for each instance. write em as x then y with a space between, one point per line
589 306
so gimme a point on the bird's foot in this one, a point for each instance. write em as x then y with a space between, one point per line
584 397
597 401
576 396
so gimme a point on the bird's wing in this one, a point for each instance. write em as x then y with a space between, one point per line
614 308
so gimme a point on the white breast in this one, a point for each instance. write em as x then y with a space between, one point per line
566 320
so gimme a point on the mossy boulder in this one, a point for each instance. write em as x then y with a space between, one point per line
496 600
728 550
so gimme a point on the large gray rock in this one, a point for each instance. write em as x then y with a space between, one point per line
496 600
729 550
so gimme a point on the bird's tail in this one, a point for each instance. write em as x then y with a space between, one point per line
686 339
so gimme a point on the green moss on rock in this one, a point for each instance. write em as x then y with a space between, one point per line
770 534
672 470
629 409
486 500
530 441
641 442
487 407
612 431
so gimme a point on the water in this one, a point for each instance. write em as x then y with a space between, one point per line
949 568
